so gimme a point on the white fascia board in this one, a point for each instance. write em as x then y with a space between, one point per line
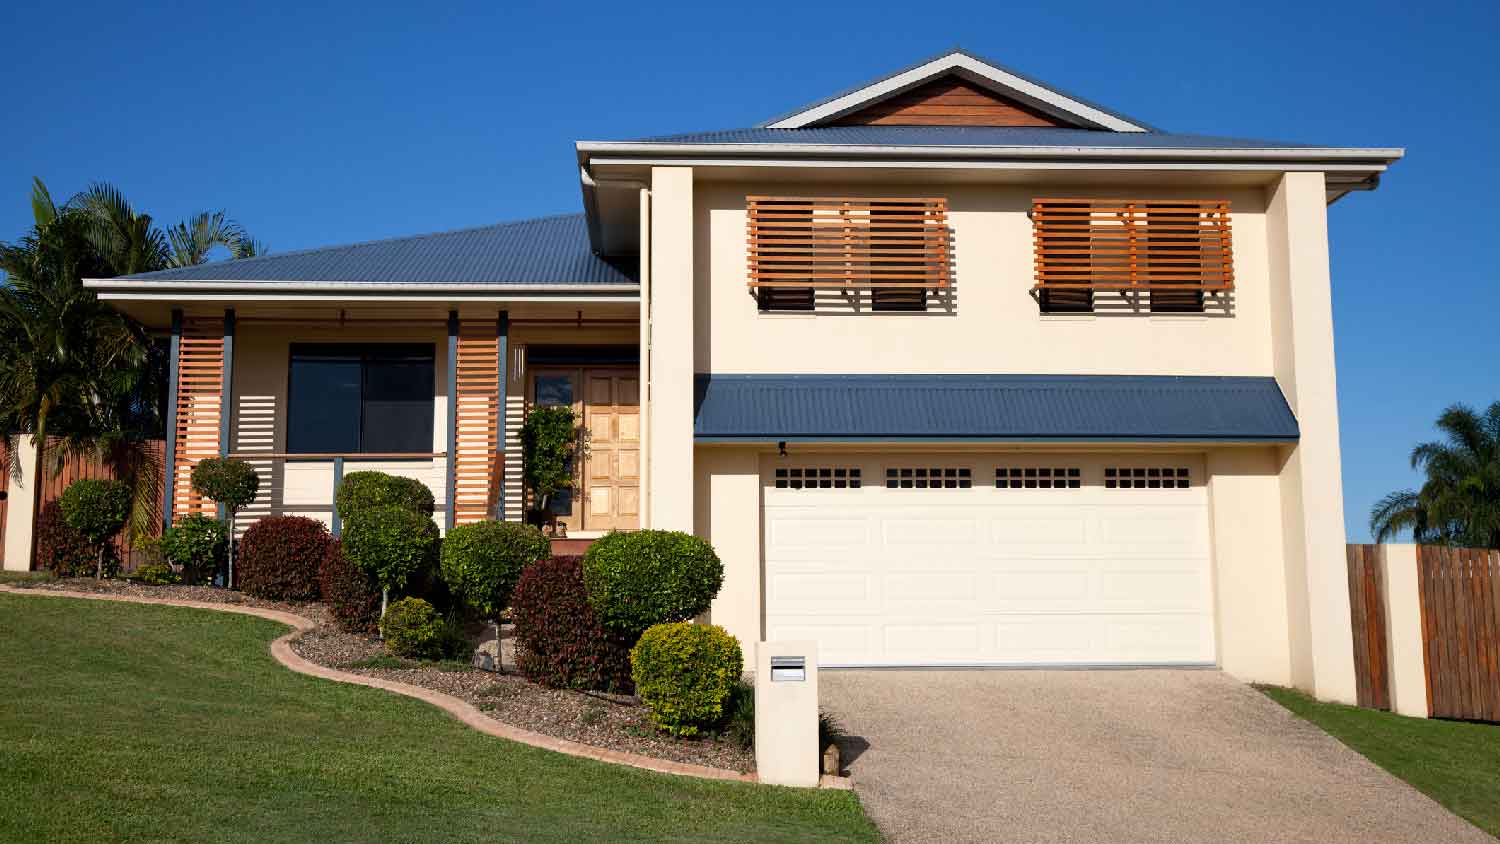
345 298
418 291
892 152
1023 88
960 164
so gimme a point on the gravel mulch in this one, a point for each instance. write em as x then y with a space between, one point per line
615 722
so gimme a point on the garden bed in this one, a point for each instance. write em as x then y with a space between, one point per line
614 722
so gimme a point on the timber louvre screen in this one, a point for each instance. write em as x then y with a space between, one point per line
1140 244
477 438
200 384
880 243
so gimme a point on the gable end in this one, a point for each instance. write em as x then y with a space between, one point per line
948 101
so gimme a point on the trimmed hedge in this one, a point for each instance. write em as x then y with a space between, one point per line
62 550
393 544
559 642
412 628
196 545
684 673
280 556
353 596
225 480
368 490
97 510
481 562
647 577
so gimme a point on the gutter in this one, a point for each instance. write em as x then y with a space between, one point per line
1382 154
433 287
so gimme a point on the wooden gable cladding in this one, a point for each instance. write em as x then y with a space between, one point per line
1119 244
200 386
949 101
477 426
842 242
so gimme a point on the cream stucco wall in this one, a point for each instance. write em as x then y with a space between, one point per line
20 507
728 516
988 322
670 475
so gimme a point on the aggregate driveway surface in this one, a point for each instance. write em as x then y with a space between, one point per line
1111 756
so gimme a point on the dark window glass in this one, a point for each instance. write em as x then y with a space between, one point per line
360 399
554 391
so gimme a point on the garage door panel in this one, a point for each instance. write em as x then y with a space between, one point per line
987 575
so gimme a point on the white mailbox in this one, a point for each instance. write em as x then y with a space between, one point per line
786 713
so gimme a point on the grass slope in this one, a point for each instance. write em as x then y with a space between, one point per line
130 722
1455 763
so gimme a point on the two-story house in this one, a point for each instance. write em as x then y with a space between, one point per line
953 368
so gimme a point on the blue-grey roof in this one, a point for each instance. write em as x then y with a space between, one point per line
926 408
544 250
958 51
978 136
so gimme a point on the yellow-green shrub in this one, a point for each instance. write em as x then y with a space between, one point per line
684 672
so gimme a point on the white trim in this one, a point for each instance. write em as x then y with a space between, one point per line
436 296
430 288
1006 82
1386 154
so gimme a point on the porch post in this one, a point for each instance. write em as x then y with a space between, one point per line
170 462
502 341
451 515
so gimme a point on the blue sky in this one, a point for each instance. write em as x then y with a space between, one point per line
324 123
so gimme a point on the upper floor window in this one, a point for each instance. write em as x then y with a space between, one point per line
360 399
897 249
1173 252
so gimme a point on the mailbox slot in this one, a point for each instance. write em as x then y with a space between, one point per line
788 669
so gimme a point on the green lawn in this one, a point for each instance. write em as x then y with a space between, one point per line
1455 763
131 722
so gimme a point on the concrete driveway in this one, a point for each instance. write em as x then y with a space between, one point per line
1111 756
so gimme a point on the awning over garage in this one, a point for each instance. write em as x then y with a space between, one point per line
980 408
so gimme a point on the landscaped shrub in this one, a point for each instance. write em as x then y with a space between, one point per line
684 673
353 596
412 628
481 562
196 545
549 439
62 550
280 556
156 574
97 510
559 642
368 490
650 577
393 544
231 483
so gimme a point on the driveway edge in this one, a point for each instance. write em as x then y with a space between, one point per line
281 649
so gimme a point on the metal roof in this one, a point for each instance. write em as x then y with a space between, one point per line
935 408
974 136
545 250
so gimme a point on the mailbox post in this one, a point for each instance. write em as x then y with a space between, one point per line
786 713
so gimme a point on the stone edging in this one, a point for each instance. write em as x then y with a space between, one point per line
465 712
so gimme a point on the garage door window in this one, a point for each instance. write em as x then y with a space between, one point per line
929 477
1119 477
1038 477
821 477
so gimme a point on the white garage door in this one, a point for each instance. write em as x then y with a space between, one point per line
933 561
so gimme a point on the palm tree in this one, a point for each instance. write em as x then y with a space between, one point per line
1459 503
77 377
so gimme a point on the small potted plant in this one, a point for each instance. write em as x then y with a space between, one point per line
549 441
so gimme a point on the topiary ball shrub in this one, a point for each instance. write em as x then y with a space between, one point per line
62 550
392 544
280 557
559 642
481 562
368 490
412 628
196 545
353 596
97 510
684 673
226 480
648 577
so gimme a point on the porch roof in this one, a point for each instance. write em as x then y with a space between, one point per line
938 408
535 252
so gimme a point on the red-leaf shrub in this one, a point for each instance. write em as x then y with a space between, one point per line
353 596
280 557
64 551
559 641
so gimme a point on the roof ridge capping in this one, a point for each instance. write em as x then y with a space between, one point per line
990 75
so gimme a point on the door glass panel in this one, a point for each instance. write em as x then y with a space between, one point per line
554 390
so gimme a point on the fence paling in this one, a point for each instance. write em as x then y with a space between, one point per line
79 468
1460 604
1367 616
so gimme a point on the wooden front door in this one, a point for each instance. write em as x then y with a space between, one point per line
607 478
